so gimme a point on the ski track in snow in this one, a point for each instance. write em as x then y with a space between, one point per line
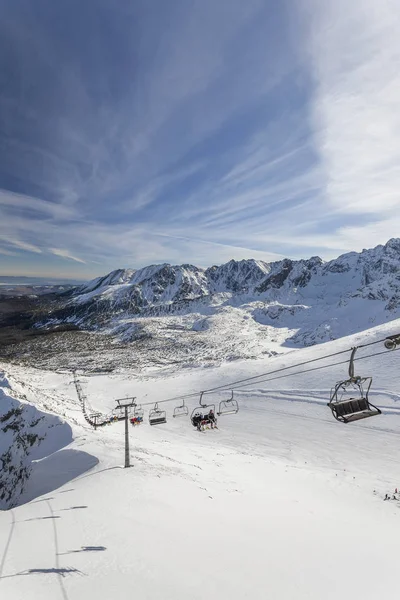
280 502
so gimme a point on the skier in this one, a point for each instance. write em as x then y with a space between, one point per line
212 419
197 421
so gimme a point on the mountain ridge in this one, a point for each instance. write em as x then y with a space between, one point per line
246 276
308 300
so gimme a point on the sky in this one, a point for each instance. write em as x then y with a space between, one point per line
195 131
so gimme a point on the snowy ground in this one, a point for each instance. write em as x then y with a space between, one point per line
281 502
181 341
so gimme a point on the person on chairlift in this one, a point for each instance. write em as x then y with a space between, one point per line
211 418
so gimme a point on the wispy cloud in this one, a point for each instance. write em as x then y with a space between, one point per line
152 191
20 244
241 129
355 53
66 254
7 252
25 246
43 209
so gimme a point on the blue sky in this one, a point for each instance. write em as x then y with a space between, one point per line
143 131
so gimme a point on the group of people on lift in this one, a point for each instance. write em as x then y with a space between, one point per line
136 420
201 421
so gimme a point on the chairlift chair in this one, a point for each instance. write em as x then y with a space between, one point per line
228 407
120 415
117 414
203 409
138 411
358 406
138 414
157 416
181 411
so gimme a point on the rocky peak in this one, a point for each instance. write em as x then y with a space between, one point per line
117 277
237 276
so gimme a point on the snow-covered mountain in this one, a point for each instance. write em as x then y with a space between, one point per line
237 276
309 301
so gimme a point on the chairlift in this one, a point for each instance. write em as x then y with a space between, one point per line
202 410
138 411
94 419
181 411
157 416
117 414
228 407
138 414
358 406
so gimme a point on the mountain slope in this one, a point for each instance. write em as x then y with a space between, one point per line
264 507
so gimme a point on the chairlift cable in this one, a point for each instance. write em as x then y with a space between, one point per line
306 362
343 362
235 383
232 384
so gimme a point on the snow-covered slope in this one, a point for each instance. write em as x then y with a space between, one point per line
281 502
28 433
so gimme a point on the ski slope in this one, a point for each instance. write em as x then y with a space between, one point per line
280 502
